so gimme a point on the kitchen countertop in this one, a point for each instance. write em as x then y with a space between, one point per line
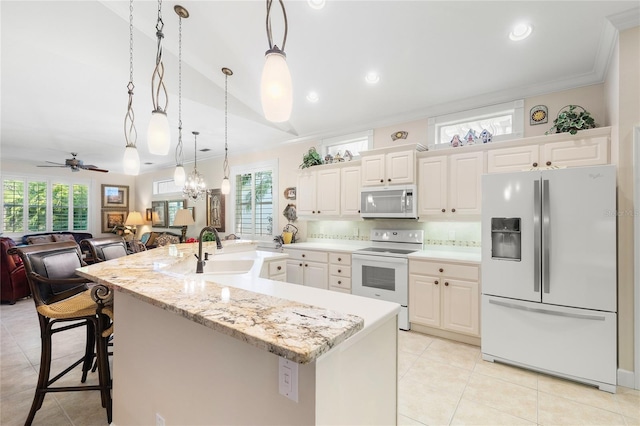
451 253
289 320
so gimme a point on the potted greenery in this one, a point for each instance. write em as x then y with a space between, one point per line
311 158
572 120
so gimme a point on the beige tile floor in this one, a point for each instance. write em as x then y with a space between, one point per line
439 383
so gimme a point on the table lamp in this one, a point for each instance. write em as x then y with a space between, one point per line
134 219
183 218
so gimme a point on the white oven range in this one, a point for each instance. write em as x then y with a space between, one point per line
382 270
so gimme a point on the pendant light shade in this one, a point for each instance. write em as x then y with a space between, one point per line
131 161
179 176
158 136
276 87
225 187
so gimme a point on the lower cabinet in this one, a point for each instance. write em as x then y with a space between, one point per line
340 272
309 268
274 270
445 296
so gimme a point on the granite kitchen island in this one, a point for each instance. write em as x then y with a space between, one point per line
225 347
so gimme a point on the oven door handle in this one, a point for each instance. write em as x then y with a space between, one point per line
384 259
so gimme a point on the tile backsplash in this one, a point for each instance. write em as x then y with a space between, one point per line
460 234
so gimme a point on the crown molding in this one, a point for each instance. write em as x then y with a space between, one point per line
625 20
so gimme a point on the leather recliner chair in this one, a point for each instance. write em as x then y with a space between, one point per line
13 280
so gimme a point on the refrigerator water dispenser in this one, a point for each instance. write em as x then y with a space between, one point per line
506 240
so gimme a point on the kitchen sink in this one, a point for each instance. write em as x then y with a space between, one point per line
225 267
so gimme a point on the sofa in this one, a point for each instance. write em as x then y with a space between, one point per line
52 237
158 239
13 279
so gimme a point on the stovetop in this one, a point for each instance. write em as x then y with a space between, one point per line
394 243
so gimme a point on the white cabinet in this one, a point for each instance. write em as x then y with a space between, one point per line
274 270
445 295
340 272
307 267
350 191
319 192
390 168
450 184
576 152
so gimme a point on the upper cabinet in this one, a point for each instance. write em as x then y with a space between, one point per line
389 166
587 148
450 184
350 191
319 192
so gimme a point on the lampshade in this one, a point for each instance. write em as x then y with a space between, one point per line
225 188
134 218
276 87
179 176
131 161
158 136
184 217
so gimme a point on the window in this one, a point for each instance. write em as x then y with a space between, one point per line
355 143
44 205
254 200
166 186
503 121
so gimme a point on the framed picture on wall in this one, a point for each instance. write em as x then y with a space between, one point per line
159 214
215 209
115 196
113 218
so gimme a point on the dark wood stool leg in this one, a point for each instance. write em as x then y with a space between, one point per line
45 368
89 350
104 372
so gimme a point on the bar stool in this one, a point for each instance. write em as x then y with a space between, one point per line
61 297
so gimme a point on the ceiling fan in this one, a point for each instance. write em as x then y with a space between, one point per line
76 165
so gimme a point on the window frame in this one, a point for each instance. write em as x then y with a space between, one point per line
515 108
49 182
269 165
327 143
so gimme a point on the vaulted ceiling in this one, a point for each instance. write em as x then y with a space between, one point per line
65 68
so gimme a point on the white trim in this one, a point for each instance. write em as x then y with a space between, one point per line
636 244
625 378
626 19
345 139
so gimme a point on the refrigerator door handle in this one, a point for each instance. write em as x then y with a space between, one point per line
546 228
536 235
547 312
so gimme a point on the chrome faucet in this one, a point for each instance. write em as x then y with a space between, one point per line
201 261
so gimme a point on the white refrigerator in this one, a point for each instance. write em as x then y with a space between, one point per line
549 272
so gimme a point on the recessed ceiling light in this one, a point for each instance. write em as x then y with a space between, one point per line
205 150
316 4
520 32
372 77
312 97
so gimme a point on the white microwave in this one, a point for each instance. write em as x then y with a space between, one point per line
396 202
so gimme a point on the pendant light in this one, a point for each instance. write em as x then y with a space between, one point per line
131 158
179 174
225 187
195 187
275 87
158 135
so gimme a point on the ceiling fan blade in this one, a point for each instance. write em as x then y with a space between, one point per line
94 169
58 164
52 166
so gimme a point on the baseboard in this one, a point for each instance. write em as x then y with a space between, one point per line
626 378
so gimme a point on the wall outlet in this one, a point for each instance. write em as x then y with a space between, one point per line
288 378
356 231
159 420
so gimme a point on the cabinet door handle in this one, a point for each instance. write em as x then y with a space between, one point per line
339 270
339 282
279 268
313 211
444 210
358 211
436 282
301 264
548 163
389 180
305 265
453 210
441 270
446 283
318 211
535 164
303 255
381 180
339 259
